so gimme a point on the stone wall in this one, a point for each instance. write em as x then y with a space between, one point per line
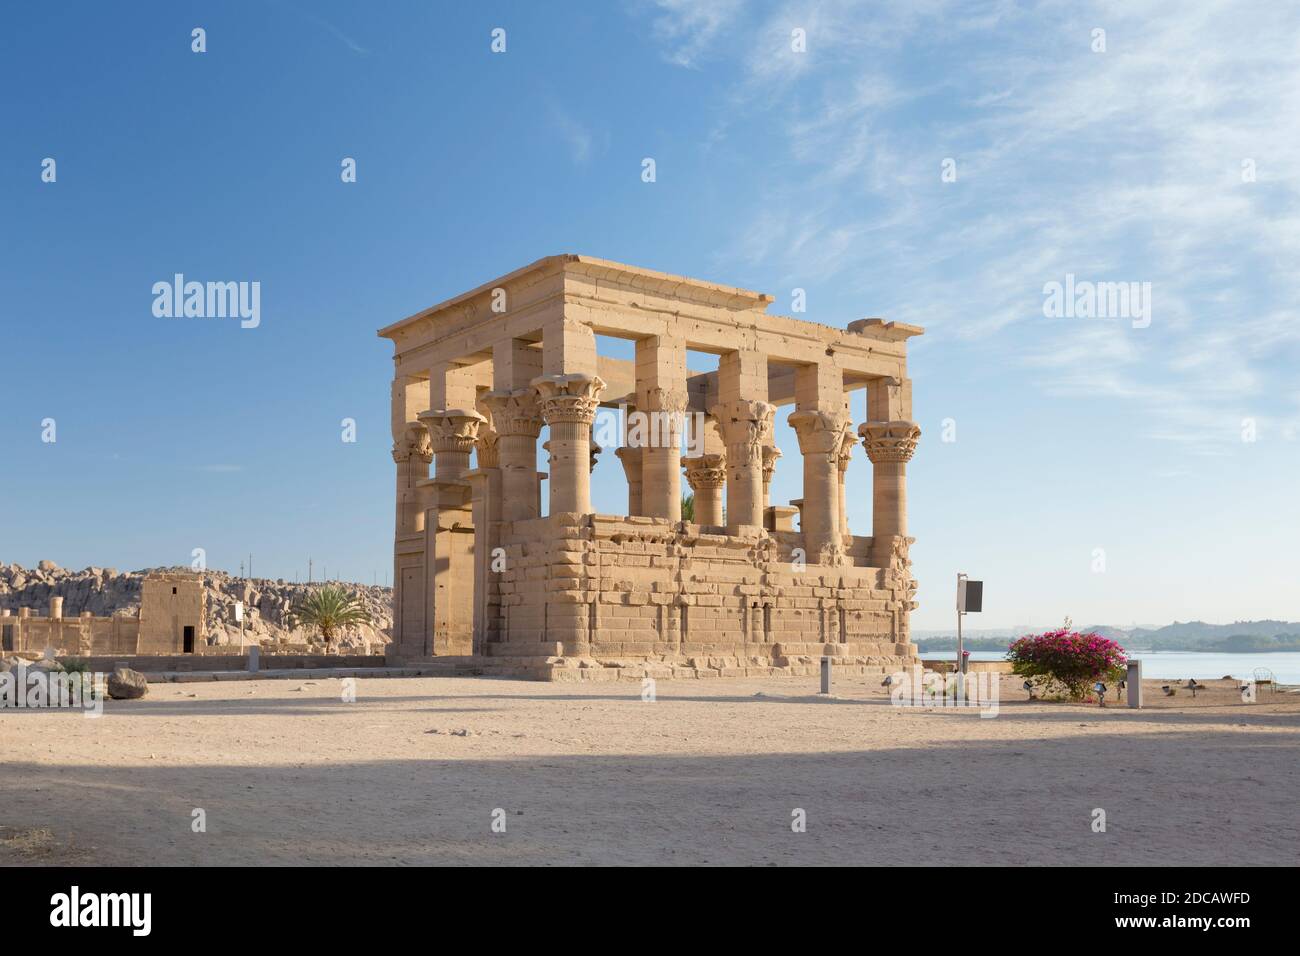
69 635
182 663
620 590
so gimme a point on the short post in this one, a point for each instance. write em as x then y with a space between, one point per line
1133 684
254 658
826 675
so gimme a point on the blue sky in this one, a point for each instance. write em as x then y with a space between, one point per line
776 170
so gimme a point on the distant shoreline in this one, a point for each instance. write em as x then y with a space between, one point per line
931 645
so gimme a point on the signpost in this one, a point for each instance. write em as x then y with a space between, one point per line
970 598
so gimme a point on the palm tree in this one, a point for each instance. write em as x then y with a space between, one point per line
328 609
688 507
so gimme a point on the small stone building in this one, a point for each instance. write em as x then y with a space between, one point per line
173 608
480 572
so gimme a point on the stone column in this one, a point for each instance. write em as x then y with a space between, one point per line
631 459
820 434
411 455
661 458
661 403
411 458
453 433
569 404
770 454
517 420
707 474
449 603
847 443
890 446
746 428
485 499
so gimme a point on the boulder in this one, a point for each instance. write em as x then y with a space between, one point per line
126 684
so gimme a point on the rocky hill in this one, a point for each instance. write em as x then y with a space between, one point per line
106 591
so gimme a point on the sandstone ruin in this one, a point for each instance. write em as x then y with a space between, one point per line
101 611
170 621
481 572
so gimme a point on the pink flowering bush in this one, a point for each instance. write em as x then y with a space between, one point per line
1073 660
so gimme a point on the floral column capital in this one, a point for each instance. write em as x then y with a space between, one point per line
452 429
569 398
889 441
706 472
515 412
414 443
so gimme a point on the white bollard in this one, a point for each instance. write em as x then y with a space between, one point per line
1133 684
826 675
254 658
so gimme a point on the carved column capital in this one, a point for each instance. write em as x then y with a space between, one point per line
452 429
706 472
820 433
488 447
770 454
516 412
847 444
414 442
889 441
746 427
659 418
569 398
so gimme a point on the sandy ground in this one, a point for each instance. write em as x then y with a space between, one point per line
709 773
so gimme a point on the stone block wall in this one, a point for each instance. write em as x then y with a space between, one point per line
69 635
617 590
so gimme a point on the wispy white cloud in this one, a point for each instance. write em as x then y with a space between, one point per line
335 31
1117 165
686 29
577 137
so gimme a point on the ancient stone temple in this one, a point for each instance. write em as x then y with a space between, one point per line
498 560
